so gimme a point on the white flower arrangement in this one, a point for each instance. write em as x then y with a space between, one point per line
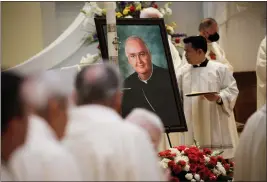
89 59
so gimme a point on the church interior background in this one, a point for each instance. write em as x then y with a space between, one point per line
51 36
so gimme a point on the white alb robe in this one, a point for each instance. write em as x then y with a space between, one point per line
43 157
209 123
218 51
250 156
5 174
261 74
109 149
176 59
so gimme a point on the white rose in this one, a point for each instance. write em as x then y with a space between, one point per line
207 159
197 177
164 163
216 172
193 180
201 180
162 11
186 168
168 11
189 176
129 16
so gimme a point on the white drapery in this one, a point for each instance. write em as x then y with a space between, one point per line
242 26
63 47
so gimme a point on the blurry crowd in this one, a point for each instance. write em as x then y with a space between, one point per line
48 136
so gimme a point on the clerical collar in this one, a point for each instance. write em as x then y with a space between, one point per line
145 81
203 64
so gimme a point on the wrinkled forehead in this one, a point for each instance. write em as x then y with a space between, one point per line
135 46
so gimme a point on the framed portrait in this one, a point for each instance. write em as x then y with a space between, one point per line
145 63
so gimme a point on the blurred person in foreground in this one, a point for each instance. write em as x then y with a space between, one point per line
152 124
261 74
250 156
208 116
107 148
14 121
43 158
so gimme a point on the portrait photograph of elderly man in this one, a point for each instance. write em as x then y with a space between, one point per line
149 86
146 66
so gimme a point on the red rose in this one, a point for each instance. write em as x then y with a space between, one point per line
177 169
164 153
226 167
213 161
212 55
132 8
221 159
193 158
200 155
181 148
201 160
193 168
155 6
177 40
182 163
171 164
232 164
213 177
201 166
174 179
207 151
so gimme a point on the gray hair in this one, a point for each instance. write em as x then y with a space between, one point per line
135 37
141 116
206 23
97 83
42 87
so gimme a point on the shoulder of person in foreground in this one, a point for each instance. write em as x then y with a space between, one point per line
144 153
28 164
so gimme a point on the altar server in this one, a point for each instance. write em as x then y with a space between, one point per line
208 116
208 28
14 121
105 147
43 158
261 74
250 156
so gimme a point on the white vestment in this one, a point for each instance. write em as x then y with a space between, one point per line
261 74
109 149
176 59
43 157
250 156
5 174
208 122
215 48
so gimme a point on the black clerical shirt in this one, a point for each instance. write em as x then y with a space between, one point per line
156 95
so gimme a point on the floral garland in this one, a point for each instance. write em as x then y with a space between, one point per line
194 164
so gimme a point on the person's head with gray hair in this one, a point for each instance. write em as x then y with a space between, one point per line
208 28
46 96
139 56
150 122
99 84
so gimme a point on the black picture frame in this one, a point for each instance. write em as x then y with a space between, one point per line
101 23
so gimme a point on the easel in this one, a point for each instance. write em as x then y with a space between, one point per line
167 131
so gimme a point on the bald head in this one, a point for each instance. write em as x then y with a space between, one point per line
149 121
97 84
206 23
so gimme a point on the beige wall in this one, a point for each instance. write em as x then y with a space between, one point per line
21 31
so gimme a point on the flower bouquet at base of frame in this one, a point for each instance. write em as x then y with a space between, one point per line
195 164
